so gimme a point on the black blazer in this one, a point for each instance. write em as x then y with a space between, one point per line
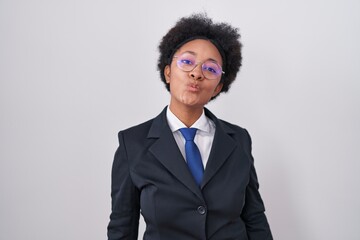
150 175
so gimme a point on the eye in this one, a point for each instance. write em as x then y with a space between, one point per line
210 69
185 61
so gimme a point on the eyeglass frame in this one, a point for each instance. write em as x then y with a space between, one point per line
197 64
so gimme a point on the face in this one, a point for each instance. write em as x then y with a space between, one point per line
191 89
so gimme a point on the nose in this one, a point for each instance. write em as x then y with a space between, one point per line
196 73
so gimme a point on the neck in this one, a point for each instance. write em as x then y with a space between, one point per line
188 116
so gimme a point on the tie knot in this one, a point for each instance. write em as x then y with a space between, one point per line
188 133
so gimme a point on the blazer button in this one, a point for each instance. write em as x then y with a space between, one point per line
201 210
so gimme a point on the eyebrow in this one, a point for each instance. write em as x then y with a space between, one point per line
193 53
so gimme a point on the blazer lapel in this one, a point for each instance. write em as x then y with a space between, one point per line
223 145
167 152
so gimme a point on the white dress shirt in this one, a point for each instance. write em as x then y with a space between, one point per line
204 135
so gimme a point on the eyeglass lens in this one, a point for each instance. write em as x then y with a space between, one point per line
210 69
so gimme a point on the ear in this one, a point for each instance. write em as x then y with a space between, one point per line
167 73
217 89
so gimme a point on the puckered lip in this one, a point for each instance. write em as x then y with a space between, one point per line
193 87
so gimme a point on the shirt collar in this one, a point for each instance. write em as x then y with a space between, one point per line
202 124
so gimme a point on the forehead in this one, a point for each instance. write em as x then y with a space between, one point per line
202 49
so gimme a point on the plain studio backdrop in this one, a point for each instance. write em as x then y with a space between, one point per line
75 72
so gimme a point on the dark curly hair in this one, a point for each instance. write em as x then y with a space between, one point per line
199 26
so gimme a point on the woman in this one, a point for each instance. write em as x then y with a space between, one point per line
190 174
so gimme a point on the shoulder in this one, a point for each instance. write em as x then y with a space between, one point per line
225 125
147 129
140 130
231 126
234 129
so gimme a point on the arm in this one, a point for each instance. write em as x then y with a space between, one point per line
254 211
124 218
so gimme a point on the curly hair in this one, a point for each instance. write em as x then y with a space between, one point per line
199 26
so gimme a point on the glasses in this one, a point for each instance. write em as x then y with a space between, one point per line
210 68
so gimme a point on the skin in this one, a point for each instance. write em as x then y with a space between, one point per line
190 91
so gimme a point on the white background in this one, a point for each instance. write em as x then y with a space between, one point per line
75 72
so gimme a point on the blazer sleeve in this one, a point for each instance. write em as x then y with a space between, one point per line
254 211
125 212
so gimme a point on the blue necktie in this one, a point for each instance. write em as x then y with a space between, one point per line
193 156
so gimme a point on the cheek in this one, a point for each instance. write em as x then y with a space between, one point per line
177 77
215 88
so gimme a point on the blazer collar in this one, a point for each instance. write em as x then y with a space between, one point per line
167 152
222 147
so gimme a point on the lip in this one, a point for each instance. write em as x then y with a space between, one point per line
193 87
